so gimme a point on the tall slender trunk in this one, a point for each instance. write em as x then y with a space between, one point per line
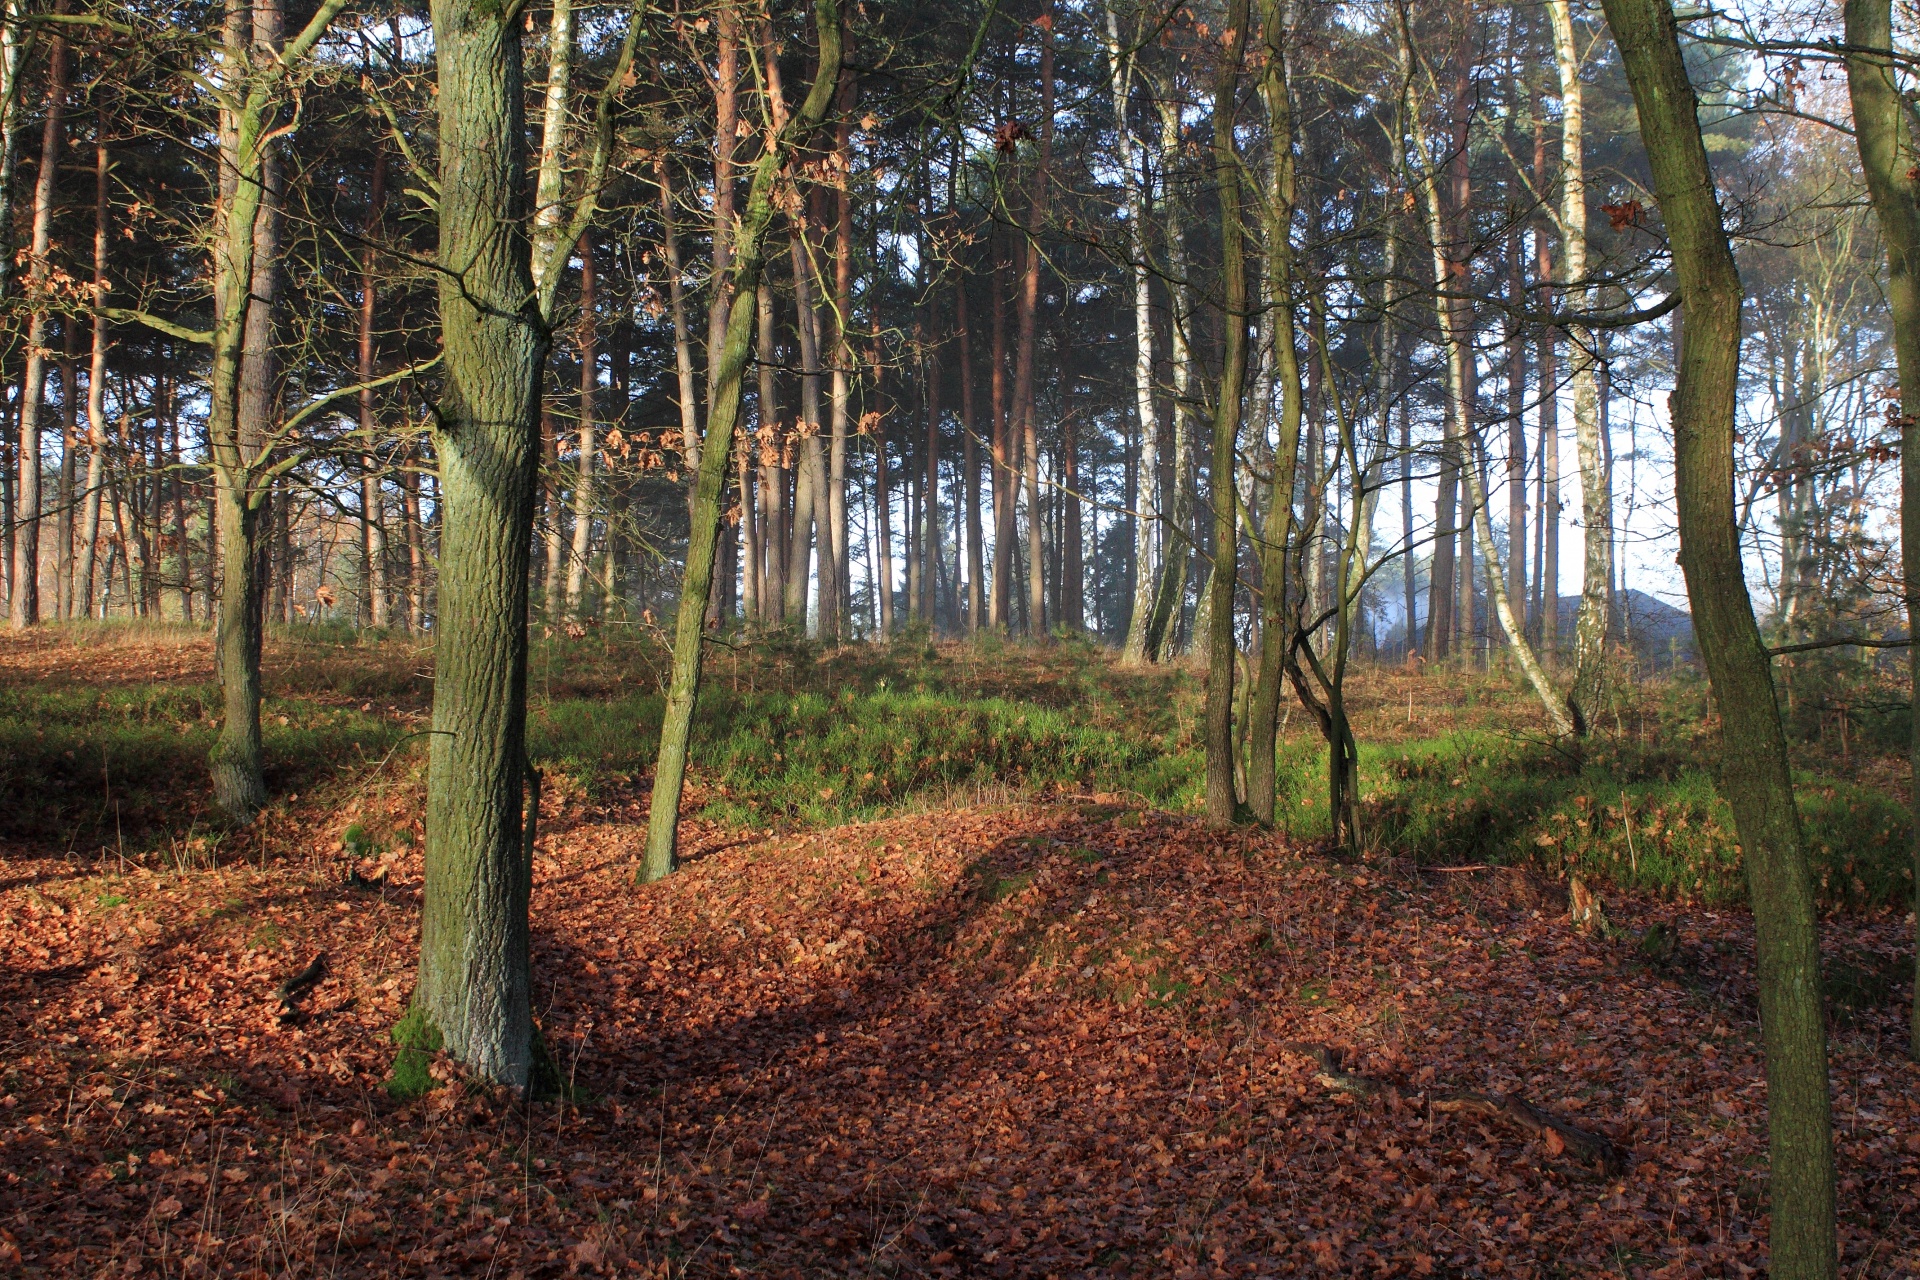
1887 157
970 456
1596 498
1146 514
69 458
726 120
475 980
1222 806
1277 613
1549 516
243 379
1755 776
809 491
96 378
554 535
1000 603
416 549
24 606
773 476
1038 201
683 688
929 521
1176 551
587 439
373 526
677 308
882 490
1517 435
840 353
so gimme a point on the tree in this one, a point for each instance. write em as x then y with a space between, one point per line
1754 772
1888 158
1222 805
749 249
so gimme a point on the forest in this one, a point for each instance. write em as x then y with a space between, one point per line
697 638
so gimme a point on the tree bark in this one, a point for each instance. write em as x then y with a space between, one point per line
1596 498
1754 771
1887 157
970 453
24 605
96 379
587 438
373 528
663 819
1277 614
1001 600
773 476
1146 516
474 981
1038 200
1222 806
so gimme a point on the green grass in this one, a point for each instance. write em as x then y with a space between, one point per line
85 766
791 735
812 759
1647 818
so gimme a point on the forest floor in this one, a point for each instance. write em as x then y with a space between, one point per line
1056 1031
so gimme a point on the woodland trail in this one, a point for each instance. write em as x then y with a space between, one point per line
1022 1041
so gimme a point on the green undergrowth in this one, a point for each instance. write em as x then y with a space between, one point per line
82 766
1645 818
815 760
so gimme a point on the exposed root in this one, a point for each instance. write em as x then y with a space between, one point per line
1556 1134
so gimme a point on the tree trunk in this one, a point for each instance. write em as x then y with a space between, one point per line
1517 437
970 453
96 381
1887 157
475 980
25 602
663 823
1038 201
553 577
1277 614
999 606
1596 499
1548 584
840 355
1146 515
69 463
1754 771
373 528
773 476
587 439
1222 808
1176 550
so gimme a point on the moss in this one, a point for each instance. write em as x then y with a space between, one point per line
417 1039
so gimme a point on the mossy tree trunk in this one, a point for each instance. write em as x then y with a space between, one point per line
1888 157
1277 618
1222 805
474 978
241 378
1754 774
749 256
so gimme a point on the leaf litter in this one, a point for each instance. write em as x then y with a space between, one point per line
1030 1040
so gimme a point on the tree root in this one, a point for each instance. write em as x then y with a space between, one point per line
1556 1134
